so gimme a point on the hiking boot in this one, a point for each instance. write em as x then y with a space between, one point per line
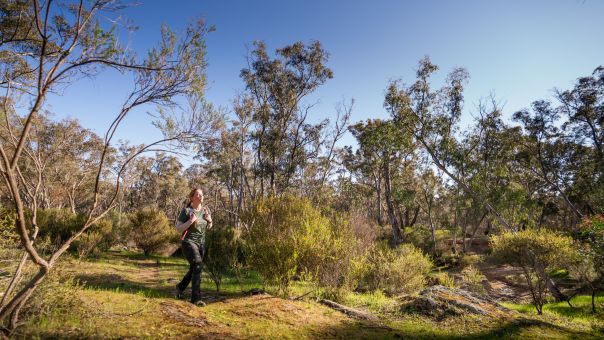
178 293
199 303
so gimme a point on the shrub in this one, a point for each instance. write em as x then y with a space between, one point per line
343 244
444 279
588 268
400 270
470 260
531 248
58 224
221 252
151 230
279 229
471 279
8 234
344 264
99 237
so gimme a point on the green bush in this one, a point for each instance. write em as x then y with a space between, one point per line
343 244
278 237
8 233
588 267
151 230
58 225
99 237
471 279
56 297
537 252
444 279
396 271
221 252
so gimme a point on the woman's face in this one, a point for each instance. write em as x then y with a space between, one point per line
197 197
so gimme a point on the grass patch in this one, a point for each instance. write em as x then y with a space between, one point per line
581 308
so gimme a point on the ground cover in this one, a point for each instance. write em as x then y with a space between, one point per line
127 295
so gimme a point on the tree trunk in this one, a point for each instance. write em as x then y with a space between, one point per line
397 237
21 297
432 229
475 230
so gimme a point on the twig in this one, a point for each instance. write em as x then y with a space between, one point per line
301 296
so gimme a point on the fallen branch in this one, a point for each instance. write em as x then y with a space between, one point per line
296 298
357 314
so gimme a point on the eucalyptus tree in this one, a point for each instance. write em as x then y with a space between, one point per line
388 154
545 152
431 117
45 47
282 137
583 108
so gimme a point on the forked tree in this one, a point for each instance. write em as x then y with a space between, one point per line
45 47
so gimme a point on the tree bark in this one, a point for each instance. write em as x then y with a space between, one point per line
397 237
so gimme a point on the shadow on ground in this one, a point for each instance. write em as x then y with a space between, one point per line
513 329
114 282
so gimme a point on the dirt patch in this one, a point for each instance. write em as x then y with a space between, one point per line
186 316
503 284
267 307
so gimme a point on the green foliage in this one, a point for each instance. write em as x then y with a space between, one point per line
277 85
58 224
8 234
444 279
470 260
588 267
281 236
151 230
331 252
537 252
550 249
99 237
287 236
592 232
395 271
221 252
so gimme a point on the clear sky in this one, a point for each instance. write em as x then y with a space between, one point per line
519 50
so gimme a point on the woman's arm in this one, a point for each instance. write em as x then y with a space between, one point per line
182 226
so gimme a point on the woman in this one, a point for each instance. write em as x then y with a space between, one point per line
193 222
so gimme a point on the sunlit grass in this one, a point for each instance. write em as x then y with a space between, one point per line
581 308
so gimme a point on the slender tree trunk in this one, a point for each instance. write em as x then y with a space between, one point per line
476 229
380 218
397 237
432 228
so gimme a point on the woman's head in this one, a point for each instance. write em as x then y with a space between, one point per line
196 196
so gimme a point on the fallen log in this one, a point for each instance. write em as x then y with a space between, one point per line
357 314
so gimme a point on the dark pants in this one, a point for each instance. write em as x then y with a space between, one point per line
194 254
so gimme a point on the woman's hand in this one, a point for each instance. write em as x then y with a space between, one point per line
207 216
192 218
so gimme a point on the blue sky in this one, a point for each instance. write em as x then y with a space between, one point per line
518 50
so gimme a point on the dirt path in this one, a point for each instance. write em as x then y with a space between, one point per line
503 282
